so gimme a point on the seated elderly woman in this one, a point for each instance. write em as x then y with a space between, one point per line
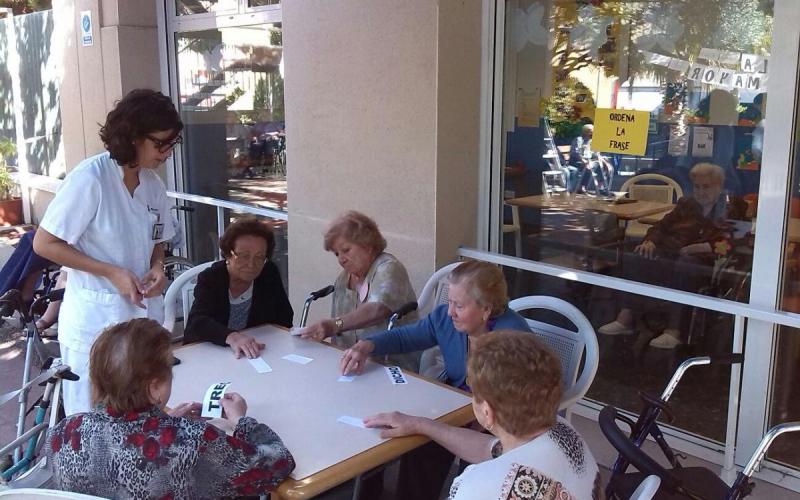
683 243
130 446
372 284
243 291
516 388
478 304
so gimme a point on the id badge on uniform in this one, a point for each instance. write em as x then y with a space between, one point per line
158 231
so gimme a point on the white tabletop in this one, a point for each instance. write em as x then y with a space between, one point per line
303 402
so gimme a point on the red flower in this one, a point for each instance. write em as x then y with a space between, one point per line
150 449
136 439
112 412
210 433
55 442
130 415
247 489
167 436
75 441
168 496
150 424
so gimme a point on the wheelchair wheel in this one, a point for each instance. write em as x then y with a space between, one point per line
175 265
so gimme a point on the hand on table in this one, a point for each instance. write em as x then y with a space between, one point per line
128 285
189 410
234 406
242 344
354 359
319 330
154 281
646 249
394 424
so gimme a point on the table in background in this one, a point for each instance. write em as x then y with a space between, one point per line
623 211
302 402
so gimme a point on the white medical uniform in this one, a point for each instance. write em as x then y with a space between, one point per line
94 212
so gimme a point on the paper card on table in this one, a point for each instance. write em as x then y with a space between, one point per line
296 358
260 365
346 378
354 421
396 375
211 402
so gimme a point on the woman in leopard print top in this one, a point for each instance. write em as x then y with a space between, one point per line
130 447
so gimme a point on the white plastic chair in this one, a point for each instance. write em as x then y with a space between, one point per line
35 493
647 489
570 346
668 191
434 293
182 288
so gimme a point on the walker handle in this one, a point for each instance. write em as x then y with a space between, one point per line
727 359
322 292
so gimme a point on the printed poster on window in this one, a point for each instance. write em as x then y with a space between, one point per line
678 142
703 142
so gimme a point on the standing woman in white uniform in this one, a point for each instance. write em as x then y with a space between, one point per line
106 224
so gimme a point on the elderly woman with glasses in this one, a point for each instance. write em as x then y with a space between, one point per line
107 224
240 292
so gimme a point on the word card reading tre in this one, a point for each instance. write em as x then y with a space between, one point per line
620 131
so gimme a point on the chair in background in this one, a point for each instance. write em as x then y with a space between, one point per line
515 228
572 347
434 293
667 191
554 182
182 289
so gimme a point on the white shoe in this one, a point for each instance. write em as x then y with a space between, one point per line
670 339
615 328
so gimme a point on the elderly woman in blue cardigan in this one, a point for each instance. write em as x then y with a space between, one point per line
477 305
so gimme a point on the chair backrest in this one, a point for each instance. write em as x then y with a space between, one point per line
182 288
434 292
647 489
666 192
570 346
36 493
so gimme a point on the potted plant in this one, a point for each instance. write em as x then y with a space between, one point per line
10 205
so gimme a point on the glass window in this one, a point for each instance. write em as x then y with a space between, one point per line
189 7
230 84
259 3
631 146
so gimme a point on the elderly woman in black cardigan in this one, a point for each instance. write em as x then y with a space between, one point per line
243 291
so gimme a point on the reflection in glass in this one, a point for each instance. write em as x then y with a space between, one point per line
189 7
230 86
668 201
258 3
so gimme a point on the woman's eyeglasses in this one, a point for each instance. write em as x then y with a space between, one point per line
164 145
256 260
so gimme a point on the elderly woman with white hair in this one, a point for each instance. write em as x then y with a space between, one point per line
683 243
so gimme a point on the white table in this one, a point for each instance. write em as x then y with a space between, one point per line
302 404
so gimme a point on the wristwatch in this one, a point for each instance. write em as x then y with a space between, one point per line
339 323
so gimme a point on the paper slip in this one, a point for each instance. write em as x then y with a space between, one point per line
396 375
211 406
354 421
295 330
260 365
296 358
347 378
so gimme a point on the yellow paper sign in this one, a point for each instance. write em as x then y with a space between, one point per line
620 131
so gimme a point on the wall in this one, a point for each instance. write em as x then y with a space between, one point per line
382 103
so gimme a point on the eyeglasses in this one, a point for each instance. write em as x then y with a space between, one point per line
165 145
256 260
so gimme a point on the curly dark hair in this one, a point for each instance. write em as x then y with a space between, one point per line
247 226
141 112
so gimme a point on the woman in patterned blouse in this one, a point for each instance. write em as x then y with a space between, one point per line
129 446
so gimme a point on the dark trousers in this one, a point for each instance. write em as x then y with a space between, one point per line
423 472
